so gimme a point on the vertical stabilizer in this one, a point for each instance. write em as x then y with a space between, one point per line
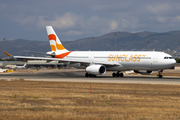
54 41
24 65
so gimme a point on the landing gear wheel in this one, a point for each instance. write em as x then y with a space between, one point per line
121 75
114 74
117 74
89 75
86 75
159 75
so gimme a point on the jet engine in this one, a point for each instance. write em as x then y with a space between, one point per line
96 69
143 72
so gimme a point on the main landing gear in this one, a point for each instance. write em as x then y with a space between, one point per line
159 75
89 75
117 74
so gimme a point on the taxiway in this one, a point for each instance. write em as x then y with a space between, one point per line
74 75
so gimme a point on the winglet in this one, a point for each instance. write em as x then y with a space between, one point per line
9 55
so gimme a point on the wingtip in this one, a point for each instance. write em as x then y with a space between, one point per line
9 55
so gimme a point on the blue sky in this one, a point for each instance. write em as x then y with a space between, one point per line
76 19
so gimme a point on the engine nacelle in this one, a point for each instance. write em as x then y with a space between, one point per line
96 69
143 72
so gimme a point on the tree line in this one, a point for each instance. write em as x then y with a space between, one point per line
177 60
10 59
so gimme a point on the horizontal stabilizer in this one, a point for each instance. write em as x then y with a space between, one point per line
40 53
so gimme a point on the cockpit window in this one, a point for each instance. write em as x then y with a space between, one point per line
168 58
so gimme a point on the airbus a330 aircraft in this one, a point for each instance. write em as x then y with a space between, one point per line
98 62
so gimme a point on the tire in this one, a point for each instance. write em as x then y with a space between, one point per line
114 74
117 74
86 75
90 75
159 76
121 75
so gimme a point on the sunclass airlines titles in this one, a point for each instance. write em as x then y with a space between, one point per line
125 58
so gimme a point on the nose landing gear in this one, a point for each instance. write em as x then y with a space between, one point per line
159 75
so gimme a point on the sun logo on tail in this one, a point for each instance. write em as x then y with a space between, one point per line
54 43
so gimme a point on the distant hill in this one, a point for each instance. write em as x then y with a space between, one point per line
124 41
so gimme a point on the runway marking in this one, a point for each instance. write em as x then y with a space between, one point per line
62 74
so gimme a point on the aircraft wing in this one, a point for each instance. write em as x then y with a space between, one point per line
65 60
62 60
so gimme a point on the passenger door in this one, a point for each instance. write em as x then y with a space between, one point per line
155 60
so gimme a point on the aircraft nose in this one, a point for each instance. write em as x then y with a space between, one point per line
173 61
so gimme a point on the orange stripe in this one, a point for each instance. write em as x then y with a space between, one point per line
63 55
52 37
53 48
59 46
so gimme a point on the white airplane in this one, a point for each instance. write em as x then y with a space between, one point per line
98 62
19 67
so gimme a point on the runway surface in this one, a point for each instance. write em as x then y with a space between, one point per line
74 75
